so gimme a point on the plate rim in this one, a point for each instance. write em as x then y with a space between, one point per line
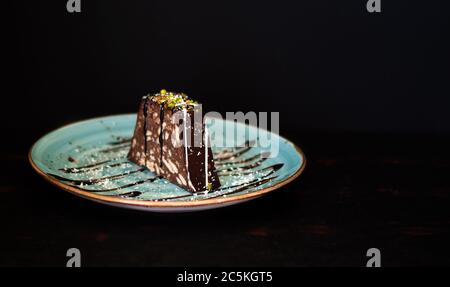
159 204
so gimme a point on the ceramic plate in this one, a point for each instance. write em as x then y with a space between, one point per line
88 159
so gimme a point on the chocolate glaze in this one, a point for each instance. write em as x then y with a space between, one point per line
161 136
183 165
145 111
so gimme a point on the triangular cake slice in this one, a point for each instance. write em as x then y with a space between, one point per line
188 164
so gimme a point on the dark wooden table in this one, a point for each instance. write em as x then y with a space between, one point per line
358 191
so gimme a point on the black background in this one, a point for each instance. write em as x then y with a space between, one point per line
365 95
325 65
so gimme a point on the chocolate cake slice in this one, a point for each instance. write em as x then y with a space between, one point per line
166 141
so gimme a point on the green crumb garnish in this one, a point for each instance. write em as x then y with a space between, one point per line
209 187
173 100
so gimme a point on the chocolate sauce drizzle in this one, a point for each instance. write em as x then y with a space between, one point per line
152 179
120 140
115 148
224 158
240 172
246 144
93 167
245 160
245 186
240 187
95 180
241 168
103 164
84 167
130 194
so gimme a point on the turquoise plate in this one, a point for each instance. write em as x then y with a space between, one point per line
88 159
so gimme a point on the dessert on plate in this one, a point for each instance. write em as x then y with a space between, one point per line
165 141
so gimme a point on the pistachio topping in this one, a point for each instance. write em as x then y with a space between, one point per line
173 100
